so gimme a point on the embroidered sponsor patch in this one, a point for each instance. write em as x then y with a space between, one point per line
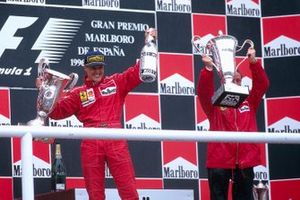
91 94
108 88
95 58
244 108
83 96
108 91
87 97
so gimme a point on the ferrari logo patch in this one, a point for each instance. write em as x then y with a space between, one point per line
83 96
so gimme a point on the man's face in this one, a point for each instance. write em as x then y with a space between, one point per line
237 78
94 74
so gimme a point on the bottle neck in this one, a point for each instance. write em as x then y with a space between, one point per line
58 151
149 39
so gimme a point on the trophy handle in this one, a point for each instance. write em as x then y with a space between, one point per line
251 43
72 82
196 40
42 66
198 45
245 42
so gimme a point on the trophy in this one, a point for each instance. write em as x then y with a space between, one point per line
223 48
148 64
52 85
260 191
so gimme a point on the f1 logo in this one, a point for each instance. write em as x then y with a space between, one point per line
12 24
53 41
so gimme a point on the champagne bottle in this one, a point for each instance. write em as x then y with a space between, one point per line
58 176
148 64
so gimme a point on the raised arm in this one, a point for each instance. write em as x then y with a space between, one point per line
260 80
205 87
66 106
129 79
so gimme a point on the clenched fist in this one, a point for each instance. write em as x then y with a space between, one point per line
251 55
151 32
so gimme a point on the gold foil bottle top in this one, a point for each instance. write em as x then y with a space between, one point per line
57 151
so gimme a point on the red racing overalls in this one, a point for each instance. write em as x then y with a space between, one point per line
100 105
243 118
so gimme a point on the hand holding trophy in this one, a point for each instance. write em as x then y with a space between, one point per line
51 84
223 48
148 65
251 55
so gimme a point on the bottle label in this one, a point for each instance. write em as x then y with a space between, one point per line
148 65
60 186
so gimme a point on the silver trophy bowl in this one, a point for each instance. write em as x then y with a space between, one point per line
222 49
53 84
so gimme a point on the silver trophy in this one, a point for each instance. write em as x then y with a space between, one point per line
148 63
52 85
260 191
223 48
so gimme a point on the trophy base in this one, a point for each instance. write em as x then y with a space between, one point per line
230 95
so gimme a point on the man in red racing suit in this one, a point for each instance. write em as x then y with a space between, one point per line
98 103
232 160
